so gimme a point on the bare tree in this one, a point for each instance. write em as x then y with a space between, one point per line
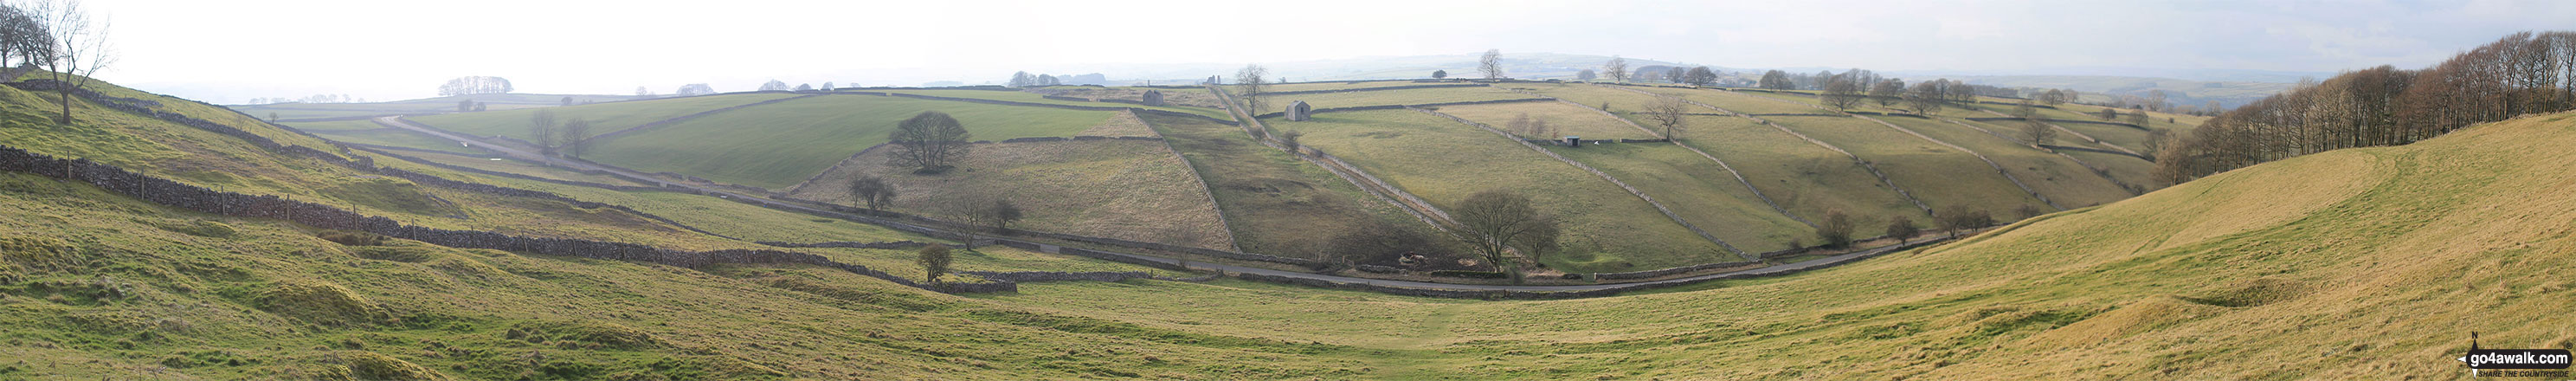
1586 75
1616 69
1775 80
2053 97
79 48
1491 64
2037 131
1494 221
1669 114
1887 92
1022 79
1842 93
930 141
934 261
1901 228
873 191
1836 230
773 85
1927 98
576 136
996 213
23 35
1252 81
541 130
1700 76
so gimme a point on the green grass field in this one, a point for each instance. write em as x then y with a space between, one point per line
1939 176
1275 203
1697 190
397 138
1807 179
801 138
2064 181
1444 161
1125 189
1567 120
604 118
1387 97
1017 96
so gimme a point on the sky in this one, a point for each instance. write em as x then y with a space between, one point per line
230 51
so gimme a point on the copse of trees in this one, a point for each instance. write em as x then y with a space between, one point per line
2522 73
1775 80
695 89
930 142
23 37
472 85
1700 76
873 191
773 85
60 37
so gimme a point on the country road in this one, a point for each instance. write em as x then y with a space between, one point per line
397 122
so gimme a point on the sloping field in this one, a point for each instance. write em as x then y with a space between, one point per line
1608 229
2067 183
798 139
397 138
1807 179
604 117
1697 190
1126 189
1020 96
1277 204
2371 250
1386 97
1567 120
1315 86
494 102
1940 176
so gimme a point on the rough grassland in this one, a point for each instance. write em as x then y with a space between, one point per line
604 117
1695 188
1940 176
2062 180
800 138
2349 264
1444 162
1387 97
397 138
1018 96
1807 179
1568 120
1125 189
1277 204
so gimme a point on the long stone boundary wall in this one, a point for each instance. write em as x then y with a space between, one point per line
1407 87
847 245
1197 176
2131 126
2105 173
1864 164
1641 195
1397 197
1721 164
418 150
189 197
1999 168
683 118
1054 276
1545 295
1400 107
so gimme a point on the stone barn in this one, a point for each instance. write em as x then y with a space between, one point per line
1298 111
1153 97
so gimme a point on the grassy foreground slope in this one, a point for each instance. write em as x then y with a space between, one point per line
2355 264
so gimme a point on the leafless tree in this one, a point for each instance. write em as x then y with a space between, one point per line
1700 76
1586 75
23 35
80 47
1491 64
2037 131
1493 222
1836 230
576 136
1616 69
931 142
873 191
541 130
1669 113
1842 93
1775 80
471 85
773 85
1927 98
1252 81
695 89
1887 92
1901 228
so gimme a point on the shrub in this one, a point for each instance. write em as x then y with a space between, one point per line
1836 230
1901 228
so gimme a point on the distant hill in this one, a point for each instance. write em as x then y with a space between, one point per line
2177 91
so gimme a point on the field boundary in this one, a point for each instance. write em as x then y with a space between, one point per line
1730 169
1864 164
1641 195
1407 87
683 118
1196 177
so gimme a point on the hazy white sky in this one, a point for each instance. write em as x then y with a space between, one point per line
229 51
